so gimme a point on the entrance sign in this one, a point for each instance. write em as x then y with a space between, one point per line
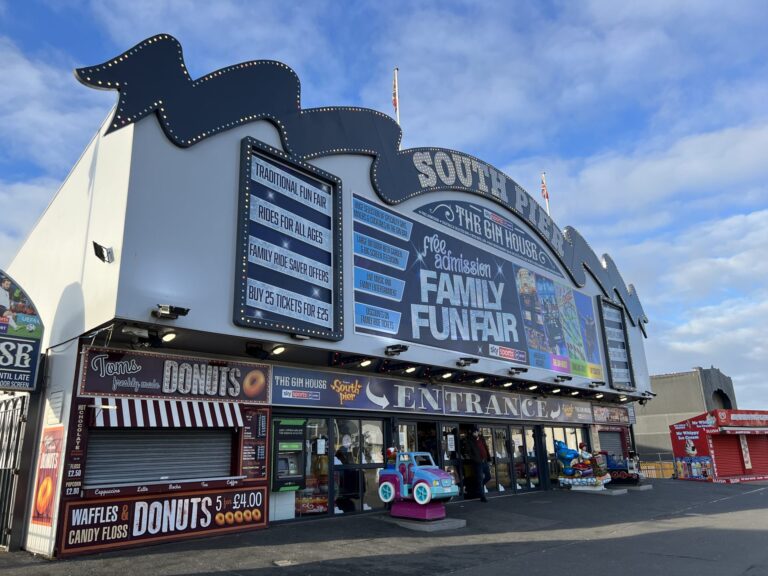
318 389
21 331
289 241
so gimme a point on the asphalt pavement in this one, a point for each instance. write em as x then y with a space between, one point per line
679 528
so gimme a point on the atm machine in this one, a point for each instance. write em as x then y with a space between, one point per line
288 454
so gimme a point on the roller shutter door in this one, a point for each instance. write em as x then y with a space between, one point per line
141 456
611 442
758 453
727 455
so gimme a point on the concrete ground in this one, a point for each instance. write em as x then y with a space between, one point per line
679 528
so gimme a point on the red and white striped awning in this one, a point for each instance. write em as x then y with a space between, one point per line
146 413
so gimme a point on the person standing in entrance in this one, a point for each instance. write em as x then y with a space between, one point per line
479 455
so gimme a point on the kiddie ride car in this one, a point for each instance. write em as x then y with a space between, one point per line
413 483
580 469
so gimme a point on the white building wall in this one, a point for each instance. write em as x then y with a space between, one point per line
72 289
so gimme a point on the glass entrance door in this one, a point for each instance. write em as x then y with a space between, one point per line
406 436
449 451
501 459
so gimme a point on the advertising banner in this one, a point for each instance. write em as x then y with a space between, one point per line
690 448
95 526
610 415
309 388
44 506
20 333
424 285
130 373
290 246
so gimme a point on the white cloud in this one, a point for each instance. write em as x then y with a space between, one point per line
44 112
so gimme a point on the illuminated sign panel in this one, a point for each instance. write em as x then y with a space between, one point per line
616 346
289 238
428 286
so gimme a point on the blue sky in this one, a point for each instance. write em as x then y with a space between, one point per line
650 119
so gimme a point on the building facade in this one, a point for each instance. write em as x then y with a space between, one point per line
679 396
247 302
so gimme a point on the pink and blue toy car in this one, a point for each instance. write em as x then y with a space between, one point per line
414 476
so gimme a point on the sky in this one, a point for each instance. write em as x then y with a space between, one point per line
650 119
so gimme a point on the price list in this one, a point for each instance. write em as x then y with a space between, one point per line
255 442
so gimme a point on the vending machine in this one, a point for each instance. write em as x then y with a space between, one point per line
288 454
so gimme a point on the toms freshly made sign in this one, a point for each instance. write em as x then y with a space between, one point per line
20 333
290 246
425 285
108 372
309 388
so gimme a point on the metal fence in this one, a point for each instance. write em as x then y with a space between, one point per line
657 465
12 418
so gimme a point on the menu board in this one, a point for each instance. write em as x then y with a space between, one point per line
617 347
255 443
290 245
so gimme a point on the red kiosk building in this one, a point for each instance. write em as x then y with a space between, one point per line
722 446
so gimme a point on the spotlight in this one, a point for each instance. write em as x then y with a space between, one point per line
103 253
299 336
622 398
533 387
410 370
136 331
575 393
168 312
464 362
365 362
599 395
516 371
168 336
395 349
596 384
555 391
277 350
563 378
479 380
508 384
446 375
649 394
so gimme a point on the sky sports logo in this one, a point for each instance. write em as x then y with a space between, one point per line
508 353
301 395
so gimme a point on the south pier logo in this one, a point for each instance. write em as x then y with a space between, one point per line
347 391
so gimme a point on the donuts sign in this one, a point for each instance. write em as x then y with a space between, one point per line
93 526
124 373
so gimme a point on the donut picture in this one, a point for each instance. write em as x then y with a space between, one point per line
238 517
247 515
44 496
219 519
256 513
230 518
254 384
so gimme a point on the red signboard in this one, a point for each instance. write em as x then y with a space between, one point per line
752 418
47 476
107 523
127 373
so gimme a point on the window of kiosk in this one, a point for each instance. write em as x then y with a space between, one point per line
358 457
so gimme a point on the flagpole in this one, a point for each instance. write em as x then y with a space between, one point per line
396 96
544 191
